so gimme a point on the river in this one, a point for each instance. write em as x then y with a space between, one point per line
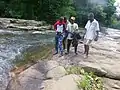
13 43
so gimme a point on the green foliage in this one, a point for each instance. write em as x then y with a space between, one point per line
99 13
89 80
103 13
109 10
48 10
116 25
2 8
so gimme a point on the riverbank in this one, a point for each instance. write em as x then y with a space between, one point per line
51 75
32 57
21 24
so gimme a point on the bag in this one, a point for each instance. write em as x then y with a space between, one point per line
75 39
78 36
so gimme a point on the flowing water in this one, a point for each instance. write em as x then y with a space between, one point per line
13 43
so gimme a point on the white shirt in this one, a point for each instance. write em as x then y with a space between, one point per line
59 28
71 28
91 28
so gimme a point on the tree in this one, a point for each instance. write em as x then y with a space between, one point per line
110 10
103 13
48 10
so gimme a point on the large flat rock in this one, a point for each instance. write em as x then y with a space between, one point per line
67 82
32 78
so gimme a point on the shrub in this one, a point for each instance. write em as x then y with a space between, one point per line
89 81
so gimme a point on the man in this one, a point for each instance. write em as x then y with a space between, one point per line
72 27
59 26
92 29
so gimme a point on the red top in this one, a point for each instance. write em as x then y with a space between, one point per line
59 23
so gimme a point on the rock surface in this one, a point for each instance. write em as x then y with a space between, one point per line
11 23
104 57
56 73
64 83
32 78
110 84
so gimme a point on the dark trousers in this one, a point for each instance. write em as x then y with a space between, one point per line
65 40
69 42
64 43
56 43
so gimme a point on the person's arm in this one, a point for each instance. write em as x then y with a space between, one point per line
97 31
67 28
77 28
85 30
55 26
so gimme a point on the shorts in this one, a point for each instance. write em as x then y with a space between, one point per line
87 41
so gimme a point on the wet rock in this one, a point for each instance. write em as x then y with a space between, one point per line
56 73
13 21
24 24
10 26
2 26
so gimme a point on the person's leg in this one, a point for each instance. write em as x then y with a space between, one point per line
56 44
85 42
64 43
75 44
68 45
76 48
87 47
65 40
60 44
87 50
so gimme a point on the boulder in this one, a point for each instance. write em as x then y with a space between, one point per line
65 83
13 21
56 73
32 78
93 67
112 71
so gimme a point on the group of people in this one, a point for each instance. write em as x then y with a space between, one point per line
67 34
